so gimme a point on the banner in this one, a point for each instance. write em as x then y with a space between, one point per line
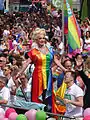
57 4
33 1
2 4
84 11
70 2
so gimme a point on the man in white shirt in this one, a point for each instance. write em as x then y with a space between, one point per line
6 32
73 98
4 91
2 63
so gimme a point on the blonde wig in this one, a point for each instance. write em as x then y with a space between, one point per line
37 32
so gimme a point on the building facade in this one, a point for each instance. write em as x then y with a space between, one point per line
16 5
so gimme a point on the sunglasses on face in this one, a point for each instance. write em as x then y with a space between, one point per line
42 38
2 61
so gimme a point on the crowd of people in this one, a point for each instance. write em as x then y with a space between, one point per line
34 63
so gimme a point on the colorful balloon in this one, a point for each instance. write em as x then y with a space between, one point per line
21 117
13 116
9 111
87 118
5 119
40 115
31 114
86 112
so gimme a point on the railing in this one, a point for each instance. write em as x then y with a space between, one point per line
57 116
60 117
21 110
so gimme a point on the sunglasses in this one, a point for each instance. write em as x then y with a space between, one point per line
2 61
42 38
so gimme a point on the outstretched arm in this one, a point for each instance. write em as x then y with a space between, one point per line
83 76
25 65
58 62
79 65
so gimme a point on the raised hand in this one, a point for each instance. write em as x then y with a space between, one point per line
18 75
79 62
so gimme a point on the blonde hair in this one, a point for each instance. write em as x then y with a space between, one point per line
87 60
37 32
86 64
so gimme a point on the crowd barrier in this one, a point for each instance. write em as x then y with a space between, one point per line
53 116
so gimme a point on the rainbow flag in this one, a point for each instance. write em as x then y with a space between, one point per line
20 47
85 52
55 74
73 29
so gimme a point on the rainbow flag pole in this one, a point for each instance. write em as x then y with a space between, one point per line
63 22
59 4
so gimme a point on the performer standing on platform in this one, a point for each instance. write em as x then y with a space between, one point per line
41 56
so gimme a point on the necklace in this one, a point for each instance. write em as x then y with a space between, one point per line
43 50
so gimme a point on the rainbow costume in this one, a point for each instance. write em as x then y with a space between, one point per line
42 75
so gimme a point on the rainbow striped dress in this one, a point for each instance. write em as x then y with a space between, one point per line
42 75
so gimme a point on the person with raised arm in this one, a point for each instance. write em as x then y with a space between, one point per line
41 56
85 75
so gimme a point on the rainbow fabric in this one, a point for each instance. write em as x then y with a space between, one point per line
85 52
73 29
42 75
20 47
55 75
60 93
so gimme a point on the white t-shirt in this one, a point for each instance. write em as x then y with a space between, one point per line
1 72
72 93
5 93
61 47
10 83
87 45
6 32
81 41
